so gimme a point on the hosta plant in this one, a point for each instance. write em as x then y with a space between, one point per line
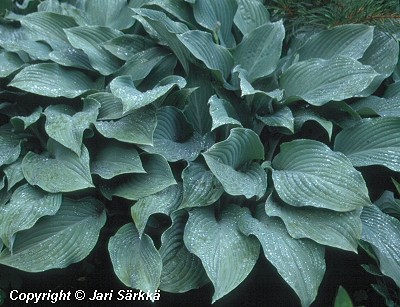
195 115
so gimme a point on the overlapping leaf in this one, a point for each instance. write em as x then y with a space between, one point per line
222 113
10 145
308 173
231 161
136 261
227 255
182 271
250 15
383 233
300 262
60 170
26 206
52 80
59 240
372 142
9 62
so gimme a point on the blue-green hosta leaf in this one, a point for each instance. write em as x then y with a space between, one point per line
140 64
136 128
167 29
260 50
9 62
326 227
49 27
182 10
214 56
231 162
64 171
283 118
227 255
90 39
26 206
127 45
35 50
114 159
73 10
136 261
109 13
163 71
319 81
382 55
59 240
388 204
110 106
164 202
304 115
300 262
52 80
200 186
132 99
4 194
20 123
10 145
392 90
217 16
383 233
158 176
66 126
14 173
173 138
309 173
250 15
197 109
182 271
71 57
373 105
372 142
350 40
222 113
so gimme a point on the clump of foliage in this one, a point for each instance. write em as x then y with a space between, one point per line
190 113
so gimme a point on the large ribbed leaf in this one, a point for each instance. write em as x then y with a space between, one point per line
109 13
227 255
14 173
10 145
300 262
162 202
137 127
260 50
167 29
59 240
373 105
173 137
26 206
347 40
36 50
326 227
63 171
250 15
215 57
22 122
132 99
217 16
110 106
222 113
89 39
231 162
9 62
158 176
200 186
383 233
116 158
49 27
319 81
309 173
182 270
135 259
388 204
71 57
372 142
382 55
66 126
52 80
